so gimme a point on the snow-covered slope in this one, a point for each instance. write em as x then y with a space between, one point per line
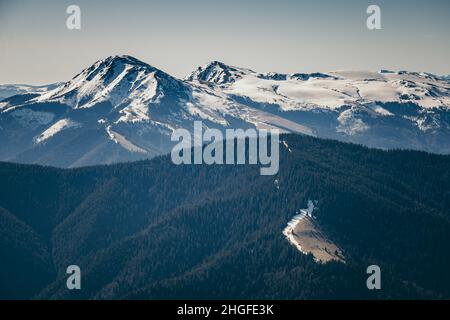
55 129
121 109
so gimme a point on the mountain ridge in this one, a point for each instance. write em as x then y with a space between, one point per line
127 109
151 229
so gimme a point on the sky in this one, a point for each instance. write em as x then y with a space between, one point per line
177 36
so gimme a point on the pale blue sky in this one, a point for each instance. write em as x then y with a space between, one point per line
178 35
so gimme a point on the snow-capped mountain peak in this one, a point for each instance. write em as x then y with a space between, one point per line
119 80
217 72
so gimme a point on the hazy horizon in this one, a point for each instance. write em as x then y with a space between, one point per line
178 36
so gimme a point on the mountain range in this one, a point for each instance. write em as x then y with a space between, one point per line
154 230
122 109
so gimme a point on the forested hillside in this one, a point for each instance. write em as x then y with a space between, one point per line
151 229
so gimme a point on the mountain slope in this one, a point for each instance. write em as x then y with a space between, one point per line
22 250
122 109
151 229
119 109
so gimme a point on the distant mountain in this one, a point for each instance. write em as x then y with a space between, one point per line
9 90
151 229
219 73
122 109
446 78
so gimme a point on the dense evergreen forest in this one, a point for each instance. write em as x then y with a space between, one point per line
153 230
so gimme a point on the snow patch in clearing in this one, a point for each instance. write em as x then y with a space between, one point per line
288 231
122 141
286 145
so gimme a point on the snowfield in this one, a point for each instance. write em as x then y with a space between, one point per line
332 93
